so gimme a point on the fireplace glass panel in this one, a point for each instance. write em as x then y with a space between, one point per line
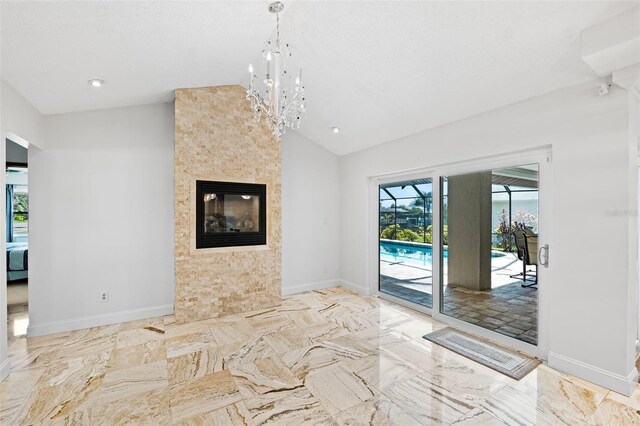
231 213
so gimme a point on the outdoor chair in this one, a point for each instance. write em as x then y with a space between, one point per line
527 250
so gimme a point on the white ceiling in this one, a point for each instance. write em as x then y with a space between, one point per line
378 70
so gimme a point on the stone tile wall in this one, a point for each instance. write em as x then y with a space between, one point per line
216 139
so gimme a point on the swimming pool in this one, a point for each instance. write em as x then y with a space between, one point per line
412 254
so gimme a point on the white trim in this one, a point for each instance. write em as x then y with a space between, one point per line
301 288
5 369
98 320
616 382
407 304
354 287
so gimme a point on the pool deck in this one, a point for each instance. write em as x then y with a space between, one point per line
507 308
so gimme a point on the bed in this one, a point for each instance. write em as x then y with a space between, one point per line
17 263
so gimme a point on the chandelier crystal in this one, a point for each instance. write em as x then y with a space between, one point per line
280 96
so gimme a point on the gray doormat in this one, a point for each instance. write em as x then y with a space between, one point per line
503 360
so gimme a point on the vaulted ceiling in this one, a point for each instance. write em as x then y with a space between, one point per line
379 70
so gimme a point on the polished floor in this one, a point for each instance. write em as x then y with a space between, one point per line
324 357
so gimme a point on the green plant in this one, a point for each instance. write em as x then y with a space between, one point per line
445 235
396 232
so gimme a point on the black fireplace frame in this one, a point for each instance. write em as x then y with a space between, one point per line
230 239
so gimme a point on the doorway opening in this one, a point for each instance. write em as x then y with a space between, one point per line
17 244
490 250
406 240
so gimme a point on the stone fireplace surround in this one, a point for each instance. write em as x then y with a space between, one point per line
217 140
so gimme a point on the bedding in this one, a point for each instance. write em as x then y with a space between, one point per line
17 261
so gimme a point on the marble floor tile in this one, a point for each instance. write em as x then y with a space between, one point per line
611 412
93 333
30 343
33 358
306 318
134 356
379 411
231 330
303 361
324 357
128 382
54 403
195 365
287 340
239 353
268 321
324 331
294 407
477 417
511 408
234 414
175 330
202 396
145 408
426 404
15 388
379 371
153 324
558 397
381 337
338 389
85 348
468 381
187 343
291 304
138 336
354 322
74 370
266 375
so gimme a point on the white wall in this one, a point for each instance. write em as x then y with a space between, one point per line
21 122
310 215
101 200
591 317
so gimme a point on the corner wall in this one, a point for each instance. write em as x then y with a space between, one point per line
216 139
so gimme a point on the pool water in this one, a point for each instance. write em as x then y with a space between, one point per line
412 255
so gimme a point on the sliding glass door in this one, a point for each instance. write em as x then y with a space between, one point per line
490 245
466 244
405 230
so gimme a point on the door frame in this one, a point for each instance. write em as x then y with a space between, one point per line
543 157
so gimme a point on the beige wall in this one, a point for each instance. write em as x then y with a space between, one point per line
469 231
216 139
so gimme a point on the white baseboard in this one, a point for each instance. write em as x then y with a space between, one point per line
354 287
301 288
5 369
624 385
98 320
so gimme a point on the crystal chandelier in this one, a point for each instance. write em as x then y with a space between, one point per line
280 97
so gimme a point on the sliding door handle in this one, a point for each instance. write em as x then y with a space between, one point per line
543 255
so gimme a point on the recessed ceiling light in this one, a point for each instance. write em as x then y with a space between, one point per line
96 82
335 130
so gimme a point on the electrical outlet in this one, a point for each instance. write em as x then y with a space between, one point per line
104 296
324 269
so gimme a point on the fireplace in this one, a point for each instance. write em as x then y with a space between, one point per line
230 214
